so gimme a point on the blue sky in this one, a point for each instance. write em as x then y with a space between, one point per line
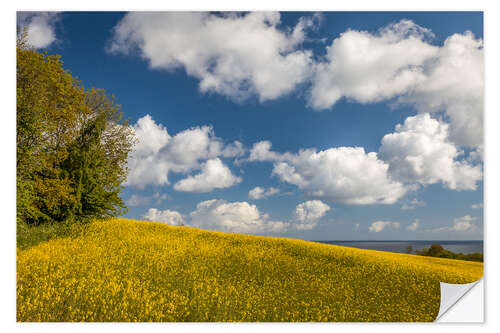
351 125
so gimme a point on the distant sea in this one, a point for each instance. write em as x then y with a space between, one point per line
401 246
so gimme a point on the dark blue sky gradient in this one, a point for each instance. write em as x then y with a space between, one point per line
173 99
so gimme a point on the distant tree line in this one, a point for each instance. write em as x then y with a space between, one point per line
72 144
436 250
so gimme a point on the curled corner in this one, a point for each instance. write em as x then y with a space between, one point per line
451 295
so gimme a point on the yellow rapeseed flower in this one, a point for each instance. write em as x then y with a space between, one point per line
124 270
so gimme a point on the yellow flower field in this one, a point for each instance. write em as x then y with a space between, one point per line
125 270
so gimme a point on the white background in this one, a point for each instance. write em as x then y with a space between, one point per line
491 177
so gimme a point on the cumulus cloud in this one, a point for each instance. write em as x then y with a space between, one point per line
477 206
399 61
160 196
464 223
170 217
40 27
261 193
156 154
378 226
214 174
477 155
233 54
191 145
370 67
138 200
420 151
240 55
454 84
346 174
307 214
234 149
240 217
414 226
261 151
142 200
412 204
151 137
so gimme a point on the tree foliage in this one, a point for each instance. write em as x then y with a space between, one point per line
436 250
72 144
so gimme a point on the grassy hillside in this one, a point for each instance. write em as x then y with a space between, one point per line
124 270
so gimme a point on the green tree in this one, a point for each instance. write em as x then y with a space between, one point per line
48 101
97 158
436 250
72 144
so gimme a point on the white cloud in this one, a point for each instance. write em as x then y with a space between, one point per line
261 151
413 204
307 214
143 200
464 223
257 192
170 217
345 174
157 153
151 137
261 193
138 200
234 149
378 226
371 67
455 84
160 196
40 27
240 217
214 174
477 206
239 55
477 155
420 151
414 226
356 227
189 146
398 61
147 163
236 55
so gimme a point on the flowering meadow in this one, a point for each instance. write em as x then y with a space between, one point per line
124 270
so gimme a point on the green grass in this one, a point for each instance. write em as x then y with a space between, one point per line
29 235
124 270
32 235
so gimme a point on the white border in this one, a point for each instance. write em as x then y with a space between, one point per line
492 165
